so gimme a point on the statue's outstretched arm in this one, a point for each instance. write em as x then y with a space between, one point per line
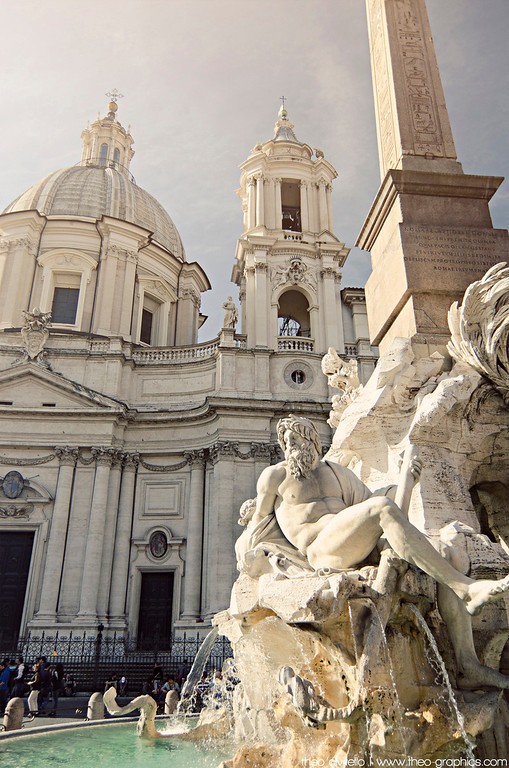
409 475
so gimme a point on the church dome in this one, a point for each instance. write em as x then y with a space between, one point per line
94 192
102 185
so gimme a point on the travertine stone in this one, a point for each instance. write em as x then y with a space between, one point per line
56 544
412 120
429 229
430 235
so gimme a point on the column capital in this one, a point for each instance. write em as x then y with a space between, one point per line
104 456
130 461
195 457
260 451
192 294
222 448
328 272
251 181
67 456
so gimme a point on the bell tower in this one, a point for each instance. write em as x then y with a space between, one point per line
288 259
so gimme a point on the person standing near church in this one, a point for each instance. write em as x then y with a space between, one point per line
35 689
5 674
57 686
19 687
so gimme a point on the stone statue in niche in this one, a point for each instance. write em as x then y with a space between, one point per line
35 334
231 314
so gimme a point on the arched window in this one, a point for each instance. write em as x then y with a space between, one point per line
293 315
103 157
290 205
116 157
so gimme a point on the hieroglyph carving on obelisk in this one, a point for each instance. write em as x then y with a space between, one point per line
411 115
429 230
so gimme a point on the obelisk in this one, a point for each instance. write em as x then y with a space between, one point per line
429 229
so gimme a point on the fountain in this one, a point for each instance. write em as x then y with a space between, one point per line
363 656
346 650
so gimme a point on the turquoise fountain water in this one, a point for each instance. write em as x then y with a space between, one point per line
109 745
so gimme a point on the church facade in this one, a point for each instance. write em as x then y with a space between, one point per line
126 446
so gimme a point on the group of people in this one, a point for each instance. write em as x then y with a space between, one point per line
43 681
158 686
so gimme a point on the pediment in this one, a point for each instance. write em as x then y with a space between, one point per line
328 237
30 386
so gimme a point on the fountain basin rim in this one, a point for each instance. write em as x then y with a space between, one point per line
53 727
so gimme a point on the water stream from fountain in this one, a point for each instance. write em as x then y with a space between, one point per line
361 688
187 697
438 663
395 700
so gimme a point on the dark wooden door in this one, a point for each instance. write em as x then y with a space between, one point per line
154 622
15 556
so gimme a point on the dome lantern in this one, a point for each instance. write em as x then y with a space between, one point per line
106 143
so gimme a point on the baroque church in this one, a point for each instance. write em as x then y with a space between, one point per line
127 447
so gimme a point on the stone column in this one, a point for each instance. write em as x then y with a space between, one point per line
304 209
322 205
261 333
278 207
270 206
95 536
109 536
221 528
332 321
126 307
194 545
16 258
251 203
57 535
260 200
106 290
120 569
328 195
250 304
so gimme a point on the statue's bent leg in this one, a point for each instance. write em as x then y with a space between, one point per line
351 534
471 674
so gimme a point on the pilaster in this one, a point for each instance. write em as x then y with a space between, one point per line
260 200
120 566
57 535
109 535
95 538
194 544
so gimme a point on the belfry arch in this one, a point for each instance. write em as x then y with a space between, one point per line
293 314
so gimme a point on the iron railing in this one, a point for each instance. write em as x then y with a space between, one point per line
93 660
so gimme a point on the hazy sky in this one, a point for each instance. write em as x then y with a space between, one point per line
202 81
